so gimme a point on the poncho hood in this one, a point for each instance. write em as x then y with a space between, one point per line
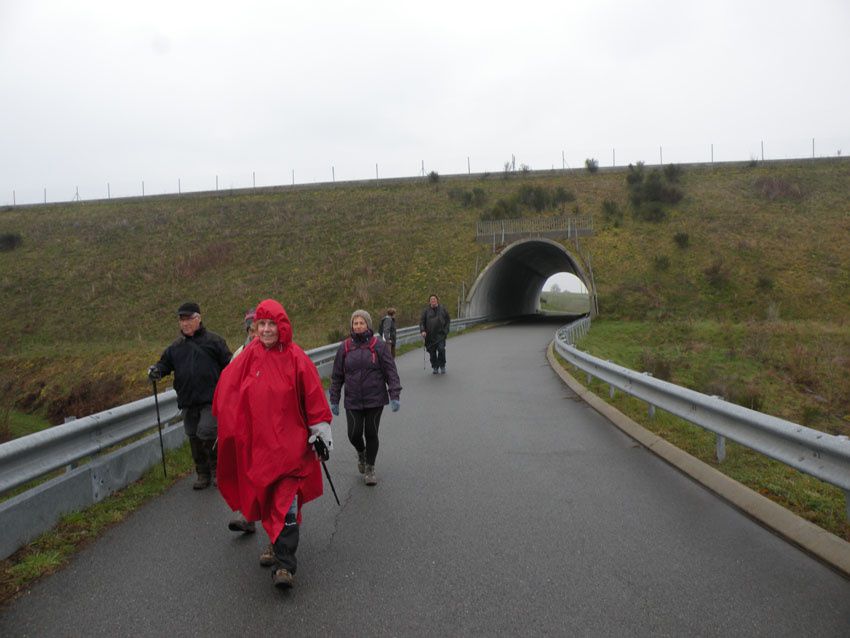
271 309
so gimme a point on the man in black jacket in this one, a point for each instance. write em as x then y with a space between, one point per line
434 327
196 358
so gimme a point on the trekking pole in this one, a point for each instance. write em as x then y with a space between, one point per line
324 455
159 428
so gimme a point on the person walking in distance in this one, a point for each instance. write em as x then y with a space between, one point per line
241 523
272 409
386 329
434 327
365 366
196 358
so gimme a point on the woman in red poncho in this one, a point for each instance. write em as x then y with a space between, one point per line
271 406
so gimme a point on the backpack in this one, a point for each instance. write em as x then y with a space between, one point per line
372 342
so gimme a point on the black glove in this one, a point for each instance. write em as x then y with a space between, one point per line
154 373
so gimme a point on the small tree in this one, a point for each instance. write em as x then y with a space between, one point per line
433 177
591 164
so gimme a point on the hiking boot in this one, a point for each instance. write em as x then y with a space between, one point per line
202 482
267 558
361 462
435 371
443 370
241 525
282 579
369 478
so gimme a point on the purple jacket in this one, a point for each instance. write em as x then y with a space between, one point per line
366 381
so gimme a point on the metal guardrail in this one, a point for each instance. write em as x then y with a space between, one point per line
24 516
822 455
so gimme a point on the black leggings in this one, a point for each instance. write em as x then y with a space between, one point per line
364 423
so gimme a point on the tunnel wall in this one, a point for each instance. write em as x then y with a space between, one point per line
510 284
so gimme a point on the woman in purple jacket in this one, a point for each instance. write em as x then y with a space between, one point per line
365 365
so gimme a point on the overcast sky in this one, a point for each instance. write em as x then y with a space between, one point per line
110 92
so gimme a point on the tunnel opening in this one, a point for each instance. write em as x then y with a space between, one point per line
511 284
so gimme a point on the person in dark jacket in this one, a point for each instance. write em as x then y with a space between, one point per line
196 358
366 367
434 327
386 329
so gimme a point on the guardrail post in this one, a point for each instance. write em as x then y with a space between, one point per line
611 391
70 466
589 378
720 448
651 411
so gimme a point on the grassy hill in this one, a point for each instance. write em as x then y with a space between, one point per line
89 289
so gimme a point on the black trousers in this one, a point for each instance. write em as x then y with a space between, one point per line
438 354
286 544
363 431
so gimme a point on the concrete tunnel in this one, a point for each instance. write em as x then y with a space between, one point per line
510 285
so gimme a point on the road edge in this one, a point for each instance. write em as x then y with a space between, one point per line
812 539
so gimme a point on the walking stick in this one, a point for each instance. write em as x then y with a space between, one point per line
324 455
159 427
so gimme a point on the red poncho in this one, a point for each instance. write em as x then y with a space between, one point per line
264 401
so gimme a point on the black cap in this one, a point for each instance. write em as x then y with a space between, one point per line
188 308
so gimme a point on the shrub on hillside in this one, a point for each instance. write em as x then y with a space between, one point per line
673 173
479 196
433 177
591 164
612 213
774 188
662 262
764 284
651 187
682 239
562 196
650 212
502 209
10 241
535 197
716 273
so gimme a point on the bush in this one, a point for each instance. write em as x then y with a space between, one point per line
673 172
716 273
591 164
764 284
502 209
774 188
611 212
682 239
479 196
650 212
10 241
662 262
464 198
562 195
635 174
535 197
433 177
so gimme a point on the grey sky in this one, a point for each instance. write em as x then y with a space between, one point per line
96 92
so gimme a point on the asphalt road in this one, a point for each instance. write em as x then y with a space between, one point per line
504 507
